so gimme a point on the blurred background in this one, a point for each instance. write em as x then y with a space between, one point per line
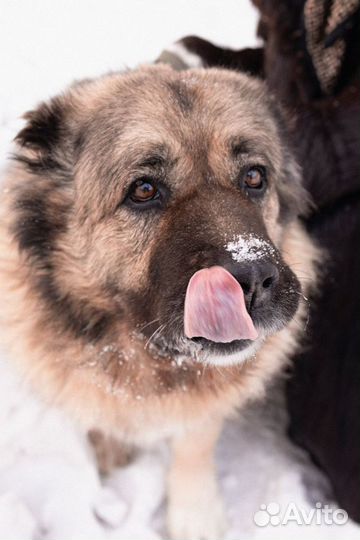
45 45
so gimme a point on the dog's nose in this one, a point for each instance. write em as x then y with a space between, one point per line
257 279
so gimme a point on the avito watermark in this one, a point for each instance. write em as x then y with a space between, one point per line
273 514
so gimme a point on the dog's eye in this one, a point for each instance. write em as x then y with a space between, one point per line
255 178
143 191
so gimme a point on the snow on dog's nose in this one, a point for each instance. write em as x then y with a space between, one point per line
215 307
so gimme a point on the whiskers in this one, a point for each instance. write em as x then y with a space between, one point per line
223 373
141 328
155 334
159 331
300 273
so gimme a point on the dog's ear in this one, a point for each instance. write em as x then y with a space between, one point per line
43 144
40 204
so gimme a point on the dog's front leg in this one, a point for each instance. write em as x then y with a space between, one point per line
195 509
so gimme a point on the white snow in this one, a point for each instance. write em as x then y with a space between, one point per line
249 247
49 486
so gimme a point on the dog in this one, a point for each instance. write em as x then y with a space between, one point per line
154 268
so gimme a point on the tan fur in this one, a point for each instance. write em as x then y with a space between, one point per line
192 489
109 452
120 383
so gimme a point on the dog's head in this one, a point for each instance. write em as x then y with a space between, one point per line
156 201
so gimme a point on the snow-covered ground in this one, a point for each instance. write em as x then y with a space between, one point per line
50 489
49 485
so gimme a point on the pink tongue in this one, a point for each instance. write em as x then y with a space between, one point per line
215 307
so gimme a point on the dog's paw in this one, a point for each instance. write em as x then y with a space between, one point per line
197 519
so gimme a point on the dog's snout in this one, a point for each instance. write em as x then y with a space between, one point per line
257 279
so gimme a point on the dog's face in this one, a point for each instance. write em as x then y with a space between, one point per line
138 182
